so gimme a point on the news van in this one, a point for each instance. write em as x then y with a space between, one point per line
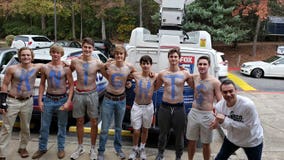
191 44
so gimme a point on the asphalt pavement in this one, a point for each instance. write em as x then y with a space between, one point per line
269 107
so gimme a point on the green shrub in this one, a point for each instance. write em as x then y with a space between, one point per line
9 39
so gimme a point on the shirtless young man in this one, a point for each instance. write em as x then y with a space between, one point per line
86 97
171 113
19 100
143 109
206 89
114 102
57 100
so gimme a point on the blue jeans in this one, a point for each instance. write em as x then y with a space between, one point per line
51 106
228 148
109 108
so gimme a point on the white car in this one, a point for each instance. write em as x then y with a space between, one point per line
31 41
271 67
280 50
223 65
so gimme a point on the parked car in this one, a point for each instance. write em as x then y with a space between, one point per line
31 41
280 50
271 67
43 56
5 55
105 46
222 64
66 43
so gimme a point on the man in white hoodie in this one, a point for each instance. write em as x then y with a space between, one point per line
238 115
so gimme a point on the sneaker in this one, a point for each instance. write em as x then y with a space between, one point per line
143 155
93 154
78 152
120 154
101 156
160 156
133 155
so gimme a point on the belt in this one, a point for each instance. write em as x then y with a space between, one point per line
20 98
115 97
56 97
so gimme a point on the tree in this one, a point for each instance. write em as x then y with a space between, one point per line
73 6
257 7
34 8
215 17
100 8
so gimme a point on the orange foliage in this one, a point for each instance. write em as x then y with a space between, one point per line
260 8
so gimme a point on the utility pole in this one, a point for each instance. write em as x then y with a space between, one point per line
140 14
55 22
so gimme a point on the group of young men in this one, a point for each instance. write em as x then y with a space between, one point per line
60 93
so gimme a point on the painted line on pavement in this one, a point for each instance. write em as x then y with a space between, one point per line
111 132
241 83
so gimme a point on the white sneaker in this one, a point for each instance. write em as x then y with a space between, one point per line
78 152
93 154
133 154
143 155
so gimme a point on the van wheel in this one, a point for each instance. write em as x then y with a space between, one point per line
257 73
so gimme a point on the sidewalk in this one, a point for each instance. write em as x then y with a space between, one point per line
269 107
71 144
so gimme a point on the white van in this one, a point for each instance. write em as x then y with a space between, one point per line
197 44
191 44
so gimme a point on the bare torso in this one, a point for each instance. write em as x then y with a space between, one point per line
23 79
173 85
56 76
86 72
144 88
204 92
117 77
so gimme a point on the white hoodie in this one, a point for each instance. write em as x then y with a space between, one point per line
241 122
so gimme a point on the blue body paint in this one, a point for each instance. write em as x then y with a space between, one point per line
116 83
144 90
55 78
86 68
25 78
201 87
172 78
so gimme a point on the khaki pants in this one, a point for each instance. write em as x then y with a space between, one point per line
24 110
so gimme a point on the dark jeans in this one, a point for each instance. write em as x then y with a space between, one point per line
228 148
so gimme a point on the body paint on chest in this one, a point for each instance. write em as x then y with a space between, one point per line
24 77
55 78
200 89
173 78
144 90
85 69
116 83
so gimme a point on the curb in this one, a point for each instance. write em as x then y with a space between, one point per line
111 132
